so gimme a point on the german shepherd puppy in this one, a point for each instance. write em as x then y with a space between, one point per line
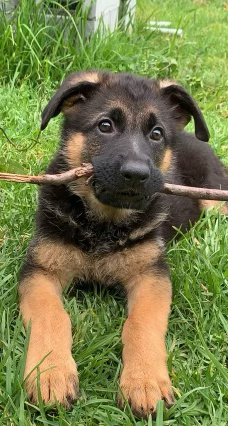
114 229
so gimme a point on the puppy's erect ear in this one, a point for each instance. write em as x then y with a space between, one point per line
76 88
184 107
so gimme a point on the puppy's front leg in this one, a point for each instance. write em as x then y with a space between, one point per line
40 302
145 378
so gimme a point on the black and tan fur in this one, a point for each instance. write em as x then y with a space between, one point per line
114 229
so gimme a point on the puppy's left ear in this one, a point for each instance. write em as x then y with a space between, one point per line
75 89
184 107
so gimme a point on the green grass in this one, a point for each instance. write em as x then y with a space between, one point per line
33 59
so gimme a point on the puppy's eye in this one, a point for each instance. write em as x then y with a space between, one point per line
156 134
105 126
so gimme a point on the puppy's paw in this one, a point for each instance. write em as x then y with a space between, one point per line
143 390
57 377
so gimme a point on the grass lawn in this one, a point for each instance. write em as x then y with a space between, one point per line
32 62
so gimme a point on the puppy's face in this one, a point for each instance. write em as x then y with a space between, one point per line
125 126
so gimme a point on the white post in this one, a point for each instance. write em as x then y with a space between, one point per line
8 5
107 10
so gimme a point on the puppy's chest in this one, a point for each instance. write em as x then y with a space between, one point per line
112 260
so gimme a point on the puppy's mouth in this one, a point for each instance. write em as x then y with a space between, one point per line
130 198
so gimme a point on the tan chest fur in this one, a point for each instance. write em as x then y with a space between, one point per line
68 262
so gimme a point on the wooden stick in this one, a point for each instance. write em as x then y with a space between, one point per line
62 178
194 192
87 170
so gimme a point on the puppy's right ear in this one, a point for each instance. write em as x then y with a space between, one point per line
183 106
76 88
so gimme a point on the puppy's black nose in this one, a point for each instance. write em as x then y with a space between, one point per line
135 172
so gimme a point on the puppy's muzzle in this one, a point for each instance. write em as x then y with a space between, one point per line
125 184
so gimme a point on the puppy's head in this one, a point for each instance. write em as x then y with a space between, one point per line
126 127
